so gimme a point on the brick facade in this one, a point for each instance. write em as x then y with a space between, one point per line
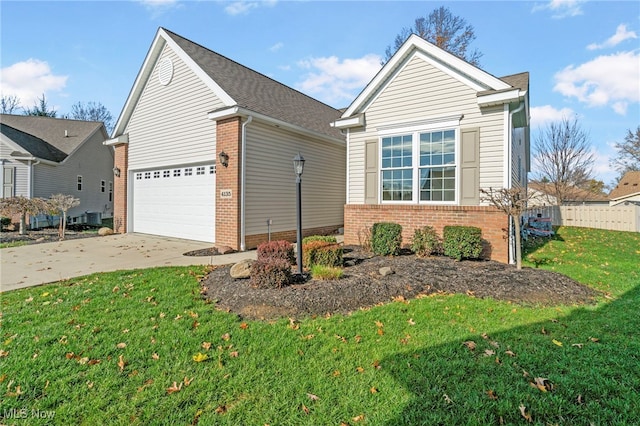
228 139
494 223
121 161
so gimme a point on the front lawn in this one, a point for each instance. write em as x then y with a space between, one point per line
142 347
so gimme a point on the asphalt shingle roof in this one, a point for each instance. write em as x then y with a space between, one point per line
45 137
629 184
261 94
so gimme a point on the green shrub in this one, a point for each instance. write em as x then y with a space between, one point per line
325 238
386 238
280 249
321 272
322 253
462 242
426 242
270 273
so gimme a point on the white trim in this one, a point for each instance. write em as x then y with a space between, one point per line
506 139
434 55
501 98
348 170
122 139
345 123
449 121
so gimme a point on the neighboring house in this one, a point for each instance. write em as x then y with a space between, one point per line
425 135
42 156
542 194
627 190
204 150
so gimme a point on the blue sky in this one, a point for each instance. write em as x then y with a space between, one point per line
583 56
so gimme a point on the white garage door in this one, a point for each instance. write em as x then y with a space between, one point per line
175 202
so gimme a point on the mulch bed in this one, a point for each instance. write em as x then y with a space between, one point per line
45 235
363 286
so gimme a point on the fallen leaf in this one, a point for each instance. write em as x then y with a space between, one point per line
360 369
374 390
492 394
543 331
225 336
336 373
358 418
121 345
470 344
379 324
206 345
489 352
447 399
155 357
594 339
200 357
358 338
3 353
376 365
523 411
293 325
579 345
244 326
174 388
221 409
380 331
305 409
557 342
187 381
542 384
193 314
195 324
233 354
121 363
313 397
510 353
411 321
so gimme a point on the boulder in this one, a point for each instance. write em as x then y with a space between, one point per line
386 270
224 249
105 231
241 269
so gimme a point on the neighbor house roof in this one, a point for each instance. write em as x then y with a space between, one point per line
238 86
629 184
47 138
575 194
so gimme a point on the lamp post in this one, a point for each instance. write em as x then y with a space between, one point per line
298 167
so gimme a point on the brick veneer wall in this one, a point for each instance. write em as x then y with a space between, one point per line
494 223
228 139
121 161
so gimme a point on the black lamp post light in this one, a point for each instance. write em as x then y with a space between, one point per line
298 167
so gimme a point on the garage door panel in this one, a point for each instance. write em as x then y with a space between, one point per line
176 202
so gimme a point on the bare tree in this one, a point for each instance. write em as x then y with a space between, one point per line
513 202
41 108
448 32
9 104
92 111
628 158
62 203
563 157
22 206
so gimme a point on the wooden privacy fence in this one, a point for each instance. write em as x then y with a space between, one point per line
615 218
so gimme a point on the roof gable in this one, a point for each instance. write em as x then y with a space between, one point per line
47 138
629 184
470 75
237 86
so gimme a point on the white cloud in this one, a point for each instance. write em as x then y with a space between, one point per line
561 8
276 47
609 79
158 7
29 80
621 35
244 7
337 81
543 115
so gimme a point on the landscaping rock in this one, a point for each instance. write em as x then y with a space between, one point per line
225 249
241 269
105 231
386 270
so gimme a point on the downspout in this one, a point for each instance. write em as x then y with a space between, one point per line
512 243
30 192
243 171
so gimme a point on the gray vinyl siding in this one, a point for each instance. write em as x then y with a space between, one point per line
94 162
169 124
271 181
21 174
421 91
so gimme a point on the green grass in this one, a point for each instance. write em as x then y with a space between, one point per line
13 244
401 363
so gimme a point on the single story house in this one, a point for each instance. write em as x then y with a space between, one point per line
204 150
42 156
425 135
542 194
627 190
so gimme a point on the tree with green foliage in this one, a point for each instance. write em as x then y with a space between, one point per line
41 108
443 29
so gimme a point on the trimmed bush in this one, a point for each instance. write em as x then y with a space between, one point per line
386 238
462 242
322 253
325 238
270 273
4 221
426 242
321 272
280 249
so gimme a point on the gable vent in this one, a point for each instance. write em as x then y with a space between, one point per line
165 71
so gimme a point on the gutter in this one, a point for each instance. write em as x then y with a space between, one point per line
243 170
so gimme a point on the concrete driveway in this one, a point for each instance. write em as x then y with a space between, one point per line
36 264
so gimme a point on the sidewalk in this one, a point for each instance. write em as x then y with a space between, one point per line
36 264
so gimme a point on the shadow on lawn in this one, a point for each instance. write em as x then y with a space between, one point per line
595 373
